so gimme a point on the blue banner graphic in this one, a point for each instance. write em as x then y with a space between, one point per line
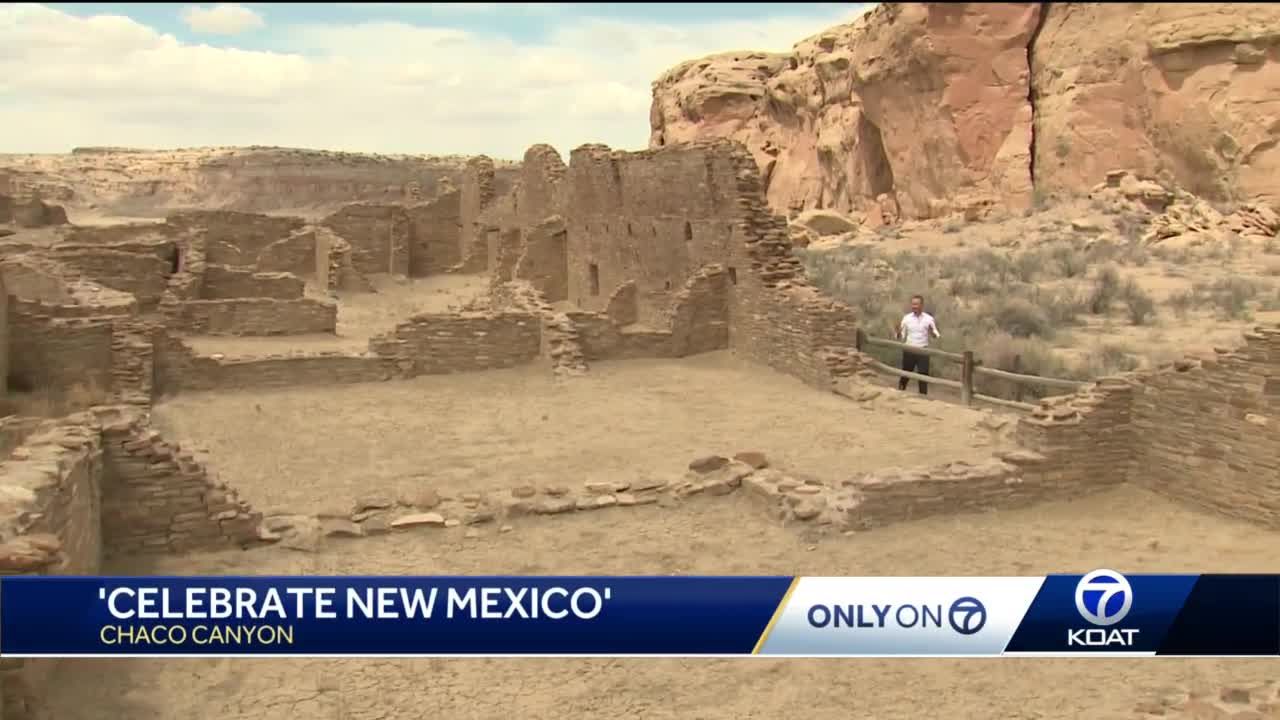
1097 614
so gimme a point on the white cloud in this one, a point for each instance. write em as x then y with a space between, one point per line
225 19
374 87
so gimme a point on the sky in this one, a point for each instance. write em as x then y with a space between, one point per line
424 78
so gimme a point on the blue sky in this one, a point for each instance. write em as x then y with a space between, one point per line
377 77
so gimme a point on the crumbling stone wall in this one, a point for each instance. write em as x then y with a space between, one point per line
95 483
144 274
1200 432
378 234
235 238
699 323
542 258
476 196
157 497
1205 432
65 358
222 282
52 487
435 229
253 316
293 254
4 336
462 342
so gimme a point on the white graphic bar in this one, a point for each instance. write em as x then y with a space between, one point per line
901 616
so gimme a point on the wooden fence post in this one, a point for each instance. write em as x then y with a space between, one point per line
1017 387
966 379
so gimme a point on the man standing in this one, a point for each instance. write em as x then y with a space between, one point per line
915 330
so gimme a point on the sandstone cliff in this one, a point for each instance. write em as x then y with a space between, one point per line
927 109
151 183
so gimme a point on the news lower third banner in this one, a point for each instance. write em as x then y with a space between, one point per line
1100 613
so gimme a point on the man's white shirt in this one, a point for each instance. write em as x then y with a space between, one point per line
917 329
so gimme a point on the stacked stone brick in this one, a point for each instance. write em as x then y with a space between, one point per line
157 497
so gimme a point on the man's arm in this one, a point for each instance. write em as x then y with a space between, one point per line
934 327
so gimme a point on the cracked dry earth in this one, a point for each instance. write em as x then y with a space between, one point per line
1125 528
311 450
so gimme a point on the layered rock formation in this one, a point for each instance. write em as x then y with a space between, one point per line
928 109
151 183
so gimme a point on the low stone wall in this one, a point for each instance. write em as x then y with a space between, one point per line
1207 432
51 490
141 273
253 316
699 323
222 282
447 343
293 254
60 357
157 497
378 234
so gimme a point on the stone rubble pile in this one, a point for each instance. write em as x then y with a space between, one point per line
1180 217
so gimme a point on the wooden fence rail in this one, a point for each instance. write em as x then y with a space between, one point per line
969 368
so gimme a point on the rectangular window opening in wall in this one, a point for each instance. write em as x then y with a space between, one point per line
593 270
733 275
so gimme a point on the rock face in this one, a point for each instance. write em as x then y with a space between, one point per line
152 183
929 109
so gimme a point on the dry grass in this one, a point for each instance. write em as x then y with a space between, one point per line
1071 307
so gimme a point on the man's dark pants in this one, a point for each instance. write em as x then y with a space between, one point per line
917 363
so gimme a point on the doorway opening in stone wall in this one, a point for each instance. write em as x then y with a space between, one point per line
733 275
593 271
688 232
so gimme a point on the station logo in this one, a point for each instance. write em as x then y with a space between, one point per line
1104 599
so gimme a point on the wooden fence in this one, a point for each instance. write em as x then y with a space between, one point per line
969 369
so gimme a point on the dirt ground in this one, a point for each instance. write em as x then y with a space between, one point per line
1126 529
303 449
360 316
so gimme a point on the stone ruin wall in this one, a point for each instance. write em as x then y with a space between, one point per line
4 333
94 484
378 235
435 229
224 283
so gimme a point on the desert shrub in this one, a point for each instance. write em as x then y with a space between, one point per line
1105 290
1182 302
1027 266
1106 359
1229 296
1020 318
1139 305
1068 261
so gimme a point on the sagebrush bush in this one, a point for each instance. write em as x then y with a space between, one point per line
1140 306
1106 288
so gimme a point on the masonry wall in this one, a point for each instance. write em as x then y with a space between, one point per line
222 282
543 258
292 254
1208 433
4 336
158 497
52 483
254 316
699 323
378 235
63 357
178 369
477 194
144 274
235 238
652 218
463 342
435 231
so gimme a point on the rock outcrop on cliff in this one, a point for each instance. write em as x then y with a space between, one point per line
923 110
108 181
